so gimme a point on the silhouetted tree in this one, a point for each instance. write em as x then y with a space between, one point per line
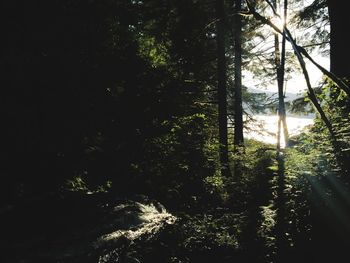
222 87
238 110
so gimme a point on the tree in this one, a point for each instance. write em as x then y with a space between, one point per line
280 68
95 88
222 87
339 54
238 110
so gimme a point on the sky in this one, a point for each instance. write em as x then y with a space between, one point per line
295 87
296 84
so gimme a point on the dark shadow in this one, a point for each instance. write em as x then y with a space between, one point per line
281 225
330 217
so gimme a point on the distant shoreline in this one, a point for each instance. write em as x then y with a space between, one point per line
289 115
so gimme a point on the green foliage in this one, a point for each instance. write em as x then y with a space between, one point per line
336 105
207 232
174 162
268 225
302 105
315 19
215 182
154 52
316 173
77 184
127 104
117 96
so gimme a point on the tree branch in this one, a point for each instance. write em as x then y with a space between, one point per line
299 51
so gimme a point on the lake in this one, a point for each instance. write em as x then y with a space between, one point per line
265 127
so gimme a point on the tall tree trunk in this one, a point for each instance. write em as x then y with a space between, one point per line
280 65
340 55
222 88
280 58
300 52
238 114
339 61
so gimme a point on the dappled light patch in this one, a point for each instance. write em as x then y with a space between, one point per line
137 219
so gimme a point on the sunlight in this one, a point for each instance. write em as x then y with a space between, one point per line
265 128
277 22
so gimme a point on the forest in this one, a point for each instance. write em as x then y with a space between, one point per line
130 131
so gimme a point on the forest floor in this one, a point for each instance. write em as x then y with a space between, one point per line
267 215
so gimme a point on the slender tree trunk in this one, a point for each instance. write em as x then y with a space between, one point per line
280 58
222 89
300 50
280 90
238 139
313 98
279 127
280 65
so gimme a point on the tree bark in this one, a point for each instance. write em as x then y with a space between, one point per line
339 55
280 64
222 89
238 139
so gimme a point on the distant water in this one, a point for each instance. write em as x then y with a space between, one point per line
265 127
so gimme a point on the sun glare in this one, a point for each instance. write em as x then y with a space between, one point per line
277 22
265 128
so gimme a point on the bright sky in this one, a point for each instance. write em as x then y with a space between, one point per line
266 126
297 82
